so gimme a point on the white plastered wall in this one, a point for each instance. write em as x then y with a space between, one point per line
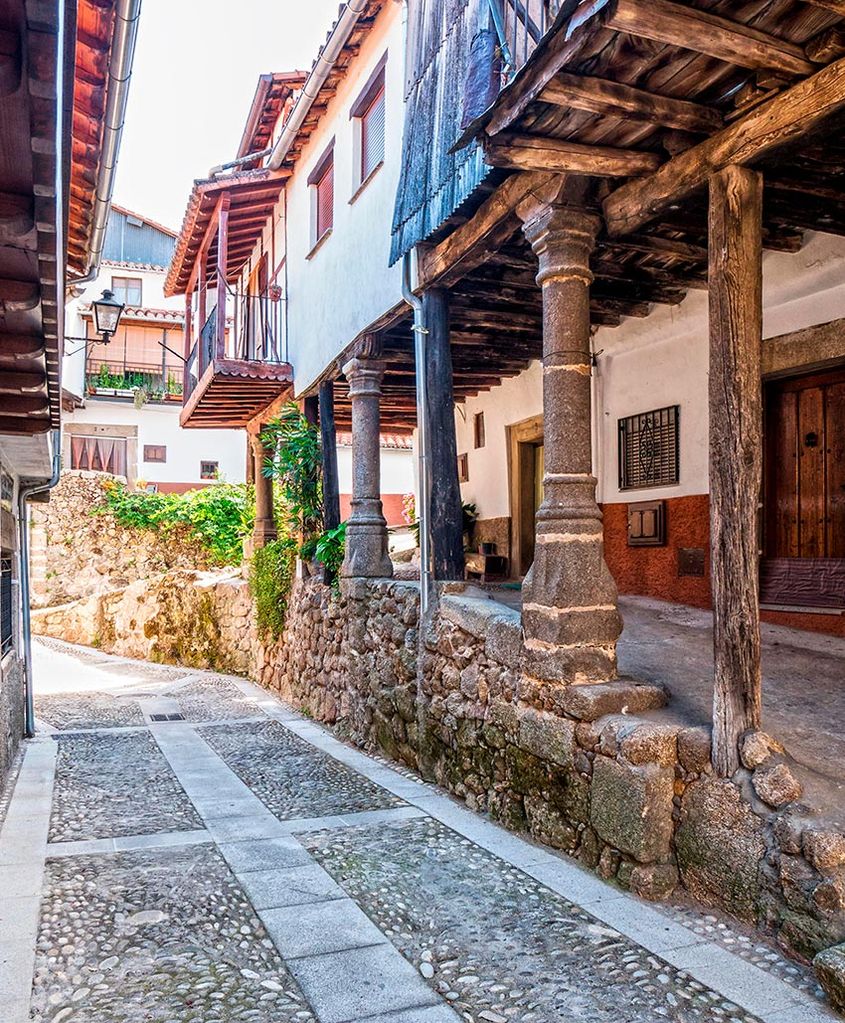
647 364
397 470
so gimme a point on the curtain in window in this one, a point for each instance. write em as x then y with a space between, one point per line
99 454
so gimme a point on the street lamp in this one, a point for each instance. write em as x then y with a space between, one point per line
107 313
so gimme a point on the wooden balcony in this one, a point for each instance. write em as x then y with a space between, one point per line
237 366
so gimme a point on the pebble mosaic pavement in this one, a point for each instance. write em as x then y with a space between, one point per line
180 928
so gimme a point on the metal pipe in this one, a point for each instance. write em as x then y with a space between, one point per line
348 18
124 37
23 545
420 360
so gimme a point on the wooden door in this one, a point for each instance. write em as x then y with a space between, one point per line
804 505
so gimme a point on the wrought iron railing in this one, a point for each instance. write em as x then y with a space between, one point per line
254 332
520 25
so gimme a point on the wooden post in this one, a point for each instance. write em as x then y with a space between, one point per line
222 260
446 513
189 319
736 415
328 438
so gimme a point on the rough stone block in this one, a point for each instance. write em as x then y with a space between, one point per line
694 749
755 748
719 845
589 702
548 825
824 849
776 785
655 882
547 736
830 969
632 808
651 744
504 642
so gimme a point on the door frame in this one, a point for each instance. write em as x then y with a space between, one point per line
523 438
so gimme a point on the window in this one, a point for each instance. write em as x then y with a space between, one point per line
321 181
98 454
155 453
368 113
648 449
209 470
127 290
6 616
463 469
478 430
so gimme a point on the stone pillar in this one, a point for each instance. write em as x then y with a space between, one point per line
366 529
569 610
264 529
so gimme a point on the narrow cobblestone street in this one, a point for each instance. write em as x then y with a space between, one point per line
181 847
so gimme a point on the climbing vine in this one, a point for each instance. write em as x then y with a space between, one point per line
270 581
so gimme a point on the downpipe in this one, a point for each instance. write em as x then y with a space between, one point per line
420 362
24 495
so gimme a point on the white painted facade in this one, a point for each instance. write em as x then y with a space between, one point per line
650 363
339 288
397 470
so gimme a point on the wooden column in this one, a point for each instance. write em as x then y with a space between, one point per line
446 513
189 321
222 260
736 417
265 523
328 442
569 610
366 530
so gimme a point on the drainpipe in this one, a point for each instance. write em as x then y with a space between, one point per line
124 36
420 361
23 544
349 14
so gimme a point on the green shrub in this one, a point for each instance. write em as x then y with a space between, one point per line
294 460
270 581
216 517
330 549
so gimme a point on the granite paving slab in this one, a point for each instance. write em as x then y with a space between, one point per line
156 937
290 776
114 785
497 944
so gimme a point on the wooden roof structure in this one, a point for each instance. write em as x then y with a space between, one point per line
273 95
646 98
45 228
231 392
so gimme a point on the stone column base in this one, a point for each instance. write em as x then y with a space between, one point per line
366 545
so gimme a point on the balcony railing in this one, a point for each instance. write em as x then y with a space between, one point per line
520 25
125 379
253 332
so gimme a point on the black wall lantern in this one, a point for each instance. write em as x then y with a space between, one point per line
107 313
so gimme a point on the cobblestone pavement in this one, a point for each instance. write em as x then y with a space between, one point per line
250 871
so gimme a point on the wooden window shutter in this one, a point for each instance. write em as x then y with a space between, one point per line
325 200
372 134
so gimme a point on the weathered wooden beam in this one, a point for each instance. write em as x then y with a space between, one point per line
654 245
19 296
473 242
24 425
20 344
18 380
837 6
783 119
693 29
827 46
25 404
17 216
10 62
328 439
556 156
613 99
736 446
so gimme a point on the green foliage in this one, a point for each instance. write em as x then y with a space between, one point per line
217 517
270 581
330 549
294 461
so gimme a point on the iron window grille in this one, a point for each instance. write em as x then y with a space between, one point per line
6 618
649 449
209 470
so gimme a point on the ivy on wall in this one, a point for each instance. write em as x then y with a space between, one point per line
270 582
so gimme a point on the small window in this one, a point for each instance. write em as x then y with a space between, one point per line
155 453
6 614
127 290
648 449
369 113
463 468
209 470
98 454
478 430
321 181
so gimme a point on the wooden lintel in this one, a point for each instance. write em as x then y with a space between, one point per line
613 99
471 244
693 29
783 119
556 156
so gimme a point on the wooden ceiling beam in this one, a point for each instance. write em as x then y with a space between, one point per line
25 404
654 245
24 425
557 156
829 45
28 345
836 6
17 217
10 62
12 381
693 29
784 119
19 296
613 99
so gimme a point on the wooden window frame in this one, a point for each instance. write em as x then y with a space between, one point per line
479 433
320 176
121 287
374 92
150 456
463 468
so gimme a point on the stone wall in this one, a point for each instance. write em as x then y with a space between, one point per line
11 712
77 553
635 799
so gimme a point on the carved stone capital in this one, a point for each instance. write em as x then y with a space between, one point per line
563 239
364 377
368 346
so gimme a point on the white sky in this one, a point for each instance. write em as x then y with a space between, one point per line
197 63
